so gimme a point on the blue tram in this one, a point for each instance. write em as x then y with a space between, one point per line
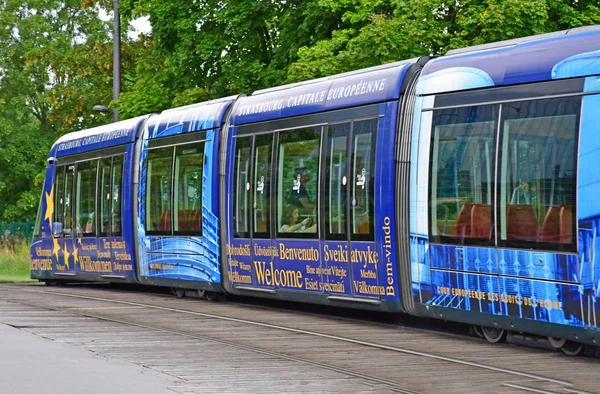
459 187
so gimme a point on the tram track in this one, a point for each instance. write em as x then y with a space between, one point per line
560 385
369 378
316 334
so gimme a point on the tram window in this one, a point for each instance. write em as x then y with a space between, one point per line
117 181
68 201
297 183
104 197
462 174
241 188
38 218
538 173
362 176
336 179
158 191
188 189
59 193
85 203
263 146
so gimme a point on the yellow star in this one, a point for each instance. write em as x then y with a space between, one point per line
75 255
56 248
79 241
49 206
66 255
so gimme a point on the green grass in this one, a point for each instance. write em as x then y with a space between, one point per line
15 277
14 266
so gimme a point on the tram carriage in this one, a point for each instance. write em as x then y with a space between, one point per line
460 187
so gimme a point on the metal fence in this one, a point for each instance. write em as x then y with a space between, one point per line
18 231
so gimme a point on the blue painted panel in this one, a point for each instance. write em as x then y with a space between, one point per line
534 299
565 56
541 265
297 266
365 278
336 268
464 291
97 138
158 261
40 254
463 258
589 149
239 267
322 95
196 117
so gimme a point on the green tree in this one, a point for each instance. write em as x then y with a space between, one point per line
208 49
55 64
384 31
56 55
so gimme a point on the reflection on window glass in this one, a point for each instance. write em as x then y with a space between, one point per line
38 219
117 180
59 195
188 188
262 188
85 209
68 201
363 177
462 173
104 196
158 190
297 186
337 178
538 171
241 188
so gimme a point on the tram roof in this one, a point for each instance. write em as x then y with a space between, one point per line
101 137
564 54
195 117
371 85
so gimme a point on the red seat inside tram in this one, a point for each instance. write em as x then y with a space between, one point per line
521 223
194 223
558 225
474 221
463 222
164 224
481 221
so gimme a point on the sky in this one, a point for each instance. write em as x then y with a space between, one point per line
140 25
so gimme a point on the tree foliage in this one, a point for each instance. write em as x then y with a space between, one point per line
54 65
56 57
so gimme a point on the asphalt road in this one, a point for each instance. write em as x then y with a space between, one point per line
30 364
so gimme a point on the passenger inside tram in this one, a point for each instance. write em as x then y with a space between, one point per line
291 214
299 194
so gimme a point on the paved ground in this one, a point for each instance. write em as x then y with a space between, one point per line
119 341
31 364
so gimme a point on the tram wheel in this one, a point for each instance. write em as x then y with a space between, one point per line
478 331
178 291
557 343
50 282
494 335
214 296
571 348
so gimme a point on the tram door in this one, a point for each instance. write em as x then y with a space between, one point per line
250 252
349 257
63 222
261 246
110 235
